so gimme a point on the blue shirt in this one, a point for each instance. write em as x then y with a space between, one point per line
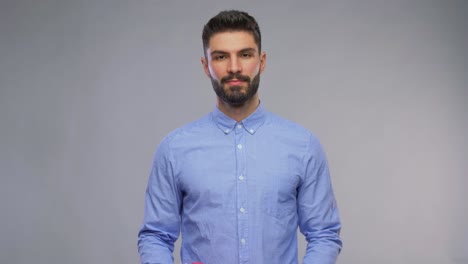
238 192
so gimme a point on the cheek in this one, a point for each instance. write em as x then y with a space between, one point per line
215 72
253 70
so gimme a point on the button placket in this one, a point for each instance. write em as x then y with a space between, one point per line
242 213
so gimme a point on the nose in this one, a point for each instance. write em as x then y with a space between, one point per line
234 65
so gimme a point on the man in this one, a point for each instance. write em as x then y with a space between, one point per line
239 181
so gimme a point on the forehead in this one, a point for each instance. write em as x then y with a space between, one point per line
231 41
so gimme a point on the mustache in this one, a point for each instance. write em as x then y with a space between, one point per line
235 76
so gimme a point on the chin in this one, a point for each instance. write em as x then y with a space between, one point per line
236 89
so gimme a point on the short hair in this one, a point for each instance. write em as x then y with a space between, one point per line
231 20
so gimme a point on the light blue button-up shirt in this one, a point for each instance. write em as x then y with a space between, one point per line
238 192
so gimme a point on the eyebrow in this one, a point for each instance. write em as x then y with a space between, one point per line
225 52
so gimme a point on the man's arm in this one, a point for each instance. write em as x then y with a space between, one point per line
318 214
161 223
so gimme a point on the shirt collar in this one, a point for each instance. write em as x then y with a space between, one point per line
250 124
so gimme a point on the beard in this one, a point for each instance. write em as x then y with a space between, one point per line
234 95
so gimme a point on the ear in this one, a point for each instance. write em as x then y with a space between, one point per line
262 61
204 62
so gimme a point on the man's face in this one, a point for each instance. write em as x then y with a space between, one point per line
234 65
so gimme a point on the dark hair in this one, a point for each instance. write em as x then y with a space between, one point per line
231 20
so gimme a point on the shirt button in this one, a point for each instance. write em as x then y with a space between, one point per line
239 126
243 241
239 146
241 178
242 210
251 130
227 130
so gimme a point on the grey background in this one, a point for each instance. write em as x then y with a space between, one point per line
89 88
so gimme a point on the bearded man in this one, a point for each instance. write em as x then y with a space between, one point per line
238 182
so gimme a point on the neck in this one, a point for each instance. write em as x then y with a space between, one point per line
241 112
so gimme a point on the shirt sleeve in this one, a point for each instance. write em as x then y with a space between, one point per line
317 210
161 222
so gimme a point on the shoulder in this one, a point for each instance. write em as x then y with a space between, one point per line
190 131
293 133
281 124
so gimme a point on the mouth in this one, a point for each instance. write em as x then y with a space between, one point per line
235 82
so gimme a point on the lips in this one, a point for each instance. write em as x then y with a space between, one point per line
235 79
234 82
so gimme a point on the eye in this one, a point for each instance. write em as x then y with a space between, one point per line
219 57
246 55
